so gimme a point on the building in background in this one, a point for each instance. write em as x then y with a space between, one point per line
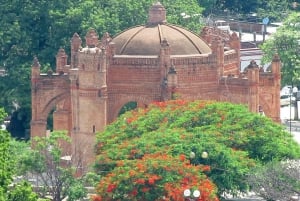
153 62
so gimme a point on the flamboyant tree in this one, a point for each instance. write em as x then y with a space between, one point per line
225 137
156 176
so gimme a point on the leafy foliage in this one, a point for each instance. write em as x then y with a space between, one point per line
6 162
154 177
276 180
45 166
287 43
275 10
22 191
235 139
10 151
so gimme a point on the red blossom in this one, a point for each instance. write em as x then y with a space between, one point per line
111 188
145 189
205 168
153 178
134 192
182 157
140 181
131 173
151 181
96 198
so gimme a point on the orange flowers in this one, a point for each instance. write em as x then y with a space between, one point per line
132 173
96 198
140 181
153 178
205 168
111 188
182 157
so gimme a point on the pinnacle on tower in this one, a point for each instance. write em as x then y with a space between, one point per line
91 38
157 14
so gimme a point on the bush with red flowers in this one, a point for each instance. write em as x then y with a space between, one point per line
155 177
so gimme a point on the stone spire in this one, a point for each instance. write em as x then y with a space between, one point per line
35 69
76 42
91 38
61 60
157 14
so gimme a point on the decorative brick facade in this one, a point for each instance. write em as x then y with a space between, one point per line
145 64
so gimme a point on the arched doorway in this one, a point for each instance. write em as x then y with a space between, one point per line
127 107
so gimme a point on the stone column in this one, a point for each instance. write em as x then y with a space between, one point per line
276 70
61 60
75 46
38 128
218 50
253 93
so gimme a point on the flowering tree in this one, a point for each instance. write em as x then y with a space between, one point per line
155 177
233 140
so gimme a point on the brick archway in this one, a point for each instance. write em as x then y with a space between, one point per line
47 92
54 102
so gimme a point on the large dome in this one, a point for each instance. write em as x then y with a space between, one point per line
146 40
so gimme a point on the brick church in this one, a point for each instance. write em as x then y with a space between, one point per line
151 62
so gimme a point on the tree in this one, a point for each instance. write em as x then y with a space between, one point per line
5 164
155 177
9 149
22 191
236 6
226 137
276 10
6 161
276 180
51 173
287 43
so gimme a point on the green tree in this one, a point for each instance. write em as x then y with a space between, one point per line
276 10
10 151
22 191
5 164
24 34
6 161
287 43
241 7
226 137
48 169
276 180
